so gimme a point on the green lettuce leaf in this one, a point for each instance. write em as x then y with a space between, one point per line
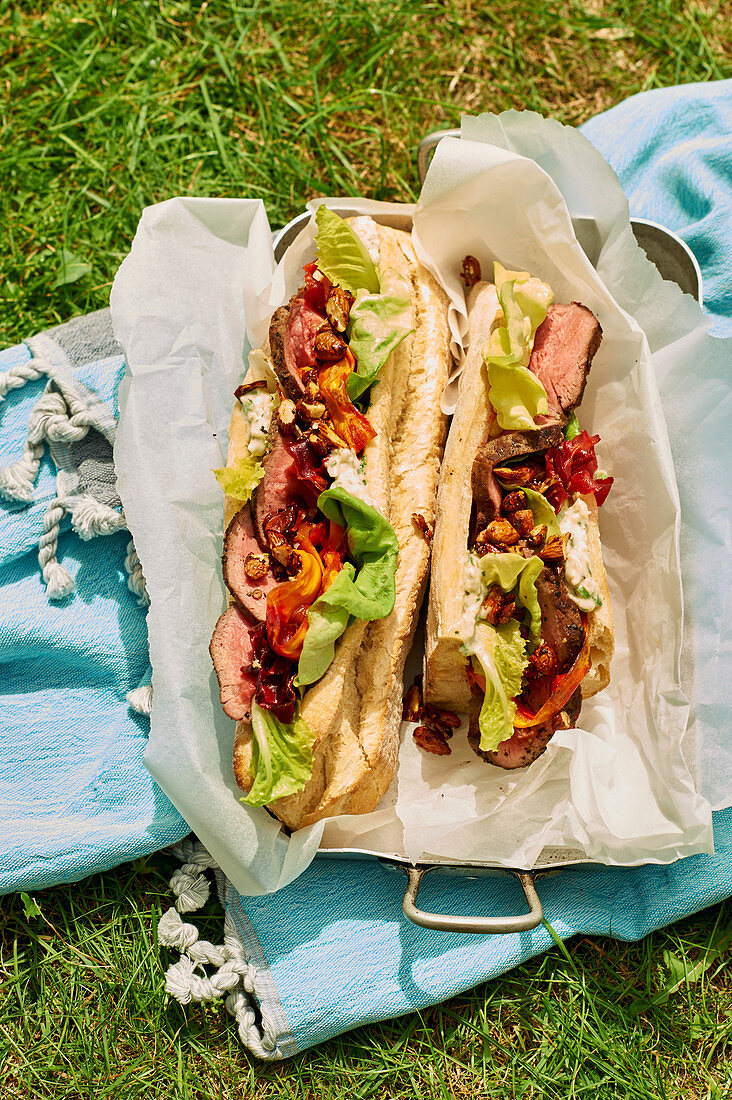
572 429
509 569
501 653
366 592
378 323
542 512
282 757
342 256
241 480
515 393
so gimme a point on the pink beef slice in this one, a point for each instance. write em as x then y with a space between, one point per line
240 541
231 651
564 347
526 745
279 486
292 333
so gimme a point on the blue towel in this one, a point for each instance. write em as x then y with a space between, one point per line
333 950
74 794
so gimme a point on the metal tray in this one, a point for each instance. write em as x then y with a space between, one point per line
675 262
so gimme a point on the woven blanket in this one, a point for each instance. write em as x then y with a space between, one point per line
74 671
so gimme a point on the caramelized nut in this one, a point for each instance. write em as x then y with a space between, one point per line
247 387
470 271
493 604
286 415
509 610
328 346
311 410
519 475
537 535
255 566
543 660
513 502
426 529
523 520
443 719
554 549
501 533
433 741
338 307
412 711
287 558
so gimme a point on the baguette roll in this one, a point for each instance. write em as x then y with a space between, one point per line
354 710
447 683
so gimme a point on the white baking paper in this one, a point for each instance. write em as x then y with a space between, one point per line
191 297
619 787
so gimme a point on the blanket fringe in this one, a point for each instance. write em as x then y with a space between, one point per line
234 978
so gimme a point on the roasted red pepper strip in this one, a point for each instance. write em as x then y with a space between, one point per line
288 604
563 688
351 425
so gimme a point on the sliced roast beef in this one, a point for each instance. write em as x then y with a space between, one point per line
561 621
526 745
239 542
231 651
564 346
292 333
279 486
496 452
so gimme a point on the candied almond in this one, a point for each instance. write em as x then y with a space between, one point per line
501 533
513 502
338 307
286 414
255 566
426 529
470 271
328 346
523 520
431 740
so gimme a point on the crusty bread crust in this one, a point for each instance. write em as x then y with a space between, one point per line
445 667
355 709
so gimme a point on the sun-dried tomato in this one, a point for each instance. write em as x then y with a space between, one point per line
571 468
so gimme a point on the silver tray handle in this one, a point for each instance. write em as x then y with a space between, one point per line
426 148
479 926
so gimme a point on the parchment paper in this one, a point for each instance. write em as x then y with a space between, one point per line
196 282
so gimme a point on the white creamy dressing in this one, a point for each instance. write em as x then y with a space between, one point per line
348 472
474 593
575 522
257 406
366 229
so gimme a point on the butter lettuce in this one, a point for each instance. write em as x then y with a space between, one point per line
515 393
241 480
367 591
282 757
507 570
377 325
342 256
500 651
572 429
542 512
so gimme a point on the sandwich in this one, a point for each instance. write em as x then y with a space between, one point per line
519 626
330 484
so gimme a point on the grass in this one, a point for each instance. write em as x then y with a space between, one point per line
83 1014
106 107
